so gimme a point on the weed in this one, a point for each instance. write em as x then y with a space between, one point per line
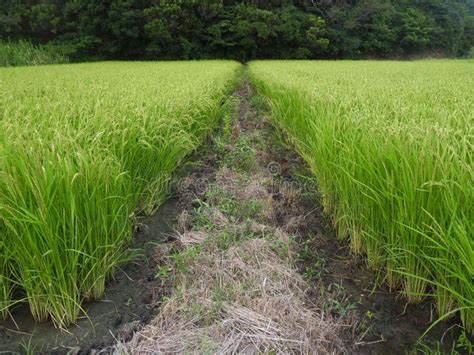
182 259
28 347
259 103
315 270
163 272
201 217
338 302
281 247
241 156
465 343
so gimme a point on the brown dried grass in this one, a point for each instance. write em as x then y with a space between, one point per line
248 299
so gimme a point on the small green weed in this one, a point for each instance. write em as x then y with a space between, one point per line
339 302
242 156
183 259
315 270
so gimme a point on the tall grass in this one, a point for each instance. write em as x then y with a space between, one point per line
25 53
83 148
391 145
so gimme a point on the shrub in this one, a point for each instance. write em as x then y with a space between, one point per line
25 53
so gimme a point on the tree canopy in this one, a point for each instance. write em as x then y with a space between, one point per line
243 30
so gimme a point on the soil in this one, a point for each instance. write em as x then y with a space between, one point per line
378 319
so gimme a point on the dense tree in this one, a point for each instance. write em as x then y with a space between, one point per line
246 31
167 29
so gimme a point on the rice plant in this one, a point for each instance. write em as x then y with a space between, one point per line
83 148
391 145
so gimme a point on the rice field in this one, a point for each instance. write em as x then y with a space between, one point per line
84 148
391 147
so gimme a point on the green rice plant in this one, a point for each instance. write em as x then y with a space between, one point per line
391 145
83 149
25 53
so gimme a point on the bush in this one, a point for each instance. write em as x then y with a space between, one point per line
471 53
25 53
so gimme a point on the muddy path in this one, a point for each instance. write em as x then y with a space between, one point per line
240 259
363 316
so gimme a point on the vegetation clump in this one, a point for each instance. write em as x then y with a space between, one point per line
25 53
83 149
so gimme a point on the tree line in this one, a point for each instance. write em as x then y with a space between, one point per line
242 30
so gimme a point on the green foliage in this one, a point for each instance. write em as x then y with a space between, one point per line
471 53
24 53
414 30
390 145
242 156
394 28
243 30
83 148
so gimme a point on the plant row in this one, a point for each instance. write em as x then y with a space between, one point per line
83 149
391 147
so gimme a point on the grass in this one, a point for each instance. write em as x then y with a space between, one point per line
390 144
25 53
83 149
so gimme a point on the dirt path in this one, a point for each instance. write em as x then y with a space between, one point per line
242 259
257 266
233 261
